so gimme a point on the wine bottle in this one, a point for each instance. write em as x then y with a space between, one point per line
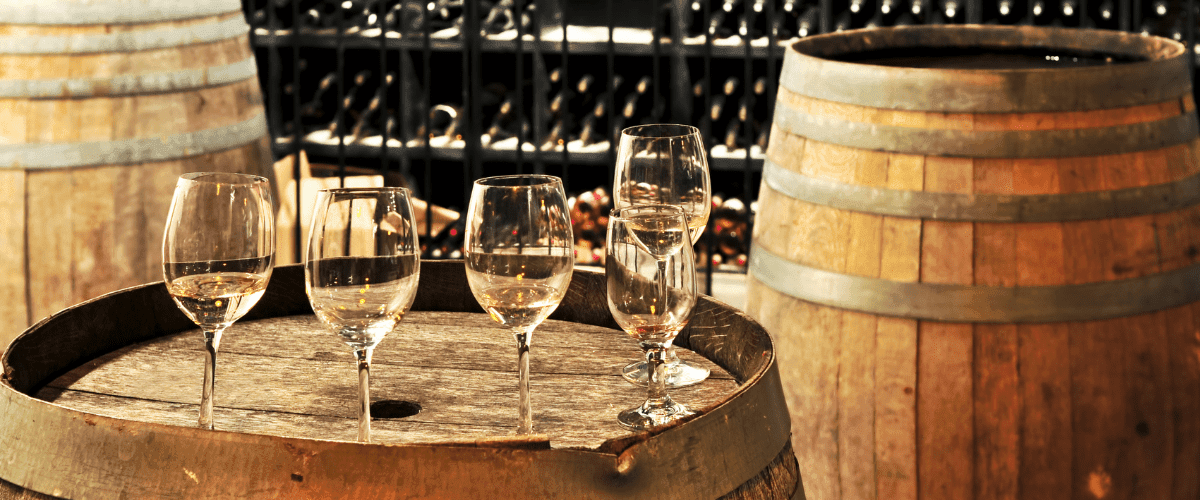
843 22
1005 8
716 26
716 110
444 121
315 107
556 137
807 24
733 135
950 9
918 8
1069 8
1107 10
500 18
589 133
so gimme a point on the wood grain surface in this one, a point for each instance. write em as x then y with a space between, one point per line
1086 407
122 371
291 376
94 173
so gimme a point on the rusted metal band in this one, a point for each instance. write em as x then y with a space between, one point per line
976 303
125 12
1054 143
1160 75
122 85
86 154
1129 202
125 41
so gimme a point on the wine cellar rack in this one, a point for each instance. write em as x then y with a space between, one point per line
441 92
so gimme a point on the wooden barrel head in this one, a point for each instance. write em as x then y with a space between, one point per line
737 447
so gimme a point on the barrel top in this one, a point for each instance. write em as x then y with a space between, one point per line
87 343
977 68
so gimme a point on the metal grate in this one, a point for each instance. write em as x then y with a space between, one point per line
441 92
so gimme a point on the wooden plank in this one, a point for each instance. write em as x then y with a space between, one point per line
1185 397
291 377
1043 351
896 346
14 285
93 240
997 404
50 243
945 455
1097 367
856 376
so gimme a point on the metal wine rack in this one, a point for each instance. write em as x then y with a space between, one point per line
441 92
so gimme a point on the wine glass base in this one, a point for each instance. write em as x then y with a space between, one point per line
679 374
640 419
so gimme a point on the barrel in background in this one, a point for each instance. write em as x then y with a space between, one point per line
983 278
102 105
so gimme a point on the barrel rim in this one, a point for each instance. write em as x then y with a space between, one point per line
1161 75
81 13
753 418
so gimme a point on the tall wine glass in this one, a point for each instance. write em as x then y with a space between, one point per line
665 164
361 272
519 259
650 304
218 253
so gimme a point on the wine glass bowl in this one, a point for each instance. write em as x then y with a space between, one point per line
665 164
218 253
361 271
651 284
519 259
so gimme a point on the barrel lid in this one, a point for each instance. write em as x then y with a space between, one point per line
850 67
62 451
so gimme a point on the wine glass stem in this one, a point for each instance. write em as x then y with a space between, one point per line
212 341
656 370
364 394
525 410
672 359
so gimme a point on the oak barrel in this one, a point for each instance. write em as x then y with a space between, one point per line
102 105
99 401
978 253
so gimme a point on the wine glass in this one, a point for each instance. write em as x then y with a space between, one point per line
361 271
665 164
651 275
218 253
519 259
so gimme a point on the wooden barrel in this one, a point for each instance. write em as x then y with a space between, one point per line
978 252
100 401
102 105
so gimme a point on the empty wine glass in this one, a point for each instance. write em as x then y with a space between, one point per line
651 275
218 253
665 164
361 272
519 259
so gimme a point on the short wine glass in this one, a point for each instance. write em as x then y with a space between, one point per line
361 272
665 164
519 260
650 304
218 253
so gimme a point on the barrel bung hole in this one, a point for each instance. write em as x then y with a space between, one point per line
390 408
